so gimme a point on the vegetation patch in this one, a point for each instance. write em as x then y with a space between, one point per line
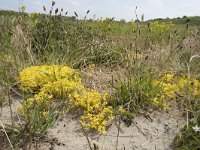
189 136
61 87
151 66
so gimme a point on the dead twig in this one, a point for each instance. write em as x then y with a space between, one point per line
4 130
86 137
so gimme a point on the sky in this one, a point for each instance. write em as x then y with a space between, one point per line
120 9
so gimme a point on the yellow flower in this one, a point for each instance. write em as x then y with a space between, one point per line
168 77
156 101
62 82
121 109
91 65
134 56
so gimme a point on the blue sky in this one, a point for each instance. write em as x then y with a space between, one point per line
114 8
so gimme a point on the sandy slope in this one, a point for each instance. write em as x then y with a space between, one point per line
142 135
145 134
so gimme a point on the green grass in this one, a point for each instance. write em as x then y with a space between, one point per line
188 138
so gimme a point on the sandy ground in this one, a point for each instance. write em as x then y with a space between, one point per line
144 134
155 133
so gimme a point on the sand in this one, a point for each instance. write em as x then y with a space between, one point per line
155 133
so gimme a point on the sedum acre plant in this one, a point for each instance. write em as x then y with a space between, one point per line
158 92
173 86
64 84
162 26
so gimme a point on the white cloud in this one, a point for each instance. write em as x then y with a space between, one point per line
111 1
38 4
75 3
155 2
68 2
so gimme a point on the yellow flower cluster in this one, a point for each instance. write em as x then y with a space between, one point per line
161 26
35 77
172 85
62 82
33 15
96 113
135 56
